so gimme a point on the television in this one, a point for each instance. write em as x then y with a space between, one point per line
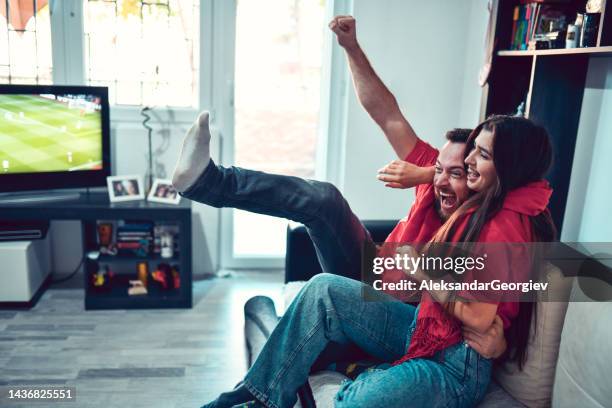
53 137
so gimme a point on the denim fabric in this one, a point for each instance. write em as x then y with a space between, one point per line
331 309
338 235
456 377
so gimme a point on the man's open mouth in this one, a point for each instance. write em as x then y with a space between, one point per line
472 175
447 200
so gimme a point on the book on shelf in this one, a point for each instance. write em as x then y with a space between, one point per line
524 24
135 238
129 245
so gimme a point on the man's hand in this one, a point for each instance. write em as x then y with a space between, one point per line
401 174
410 252
344 28
490 344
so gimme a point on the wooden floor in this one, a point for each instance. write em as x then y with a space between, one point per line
132 358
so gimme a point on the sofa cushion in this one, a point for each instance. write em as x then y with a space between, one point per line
585 356
533 385
496 397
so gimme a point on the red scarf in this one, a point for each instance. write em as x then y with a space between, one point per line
437 330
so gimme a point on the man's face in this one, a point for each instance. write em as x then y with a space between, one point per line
450 184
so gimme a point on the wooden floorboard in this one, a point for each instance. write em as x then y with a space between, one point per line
133 358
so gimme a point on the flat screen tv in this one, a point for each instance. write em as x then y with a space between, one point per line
53 137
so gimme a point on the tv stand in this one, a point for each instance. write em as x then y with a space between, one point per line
38 197
94 209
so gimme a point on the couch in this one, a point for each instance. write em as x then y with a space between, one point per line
566 368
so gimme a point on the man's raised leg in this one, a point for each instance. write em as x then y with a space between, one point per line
338 235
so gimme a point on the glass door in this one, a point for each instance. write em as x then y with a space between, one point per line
276 104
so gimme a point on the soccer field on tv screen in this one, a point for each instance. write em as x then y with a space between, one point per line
50 133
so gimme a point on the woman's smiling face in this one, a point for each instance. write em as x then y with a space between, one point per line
481 173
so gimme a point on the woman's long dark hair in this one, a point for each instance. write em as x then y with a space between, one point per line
522 153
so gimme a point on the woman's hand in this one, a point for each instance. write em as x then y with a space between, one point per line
401 174
490 344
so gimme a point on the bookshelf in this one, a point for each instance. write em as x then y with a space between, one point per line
551 82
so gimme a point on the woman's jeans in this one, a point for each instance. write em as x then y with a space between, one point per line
331 308
338 236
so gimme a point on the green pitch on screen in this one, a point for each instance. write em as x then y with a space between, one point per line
42 135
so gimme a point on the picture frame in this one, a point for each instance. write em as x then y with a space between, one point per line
162 191
125 188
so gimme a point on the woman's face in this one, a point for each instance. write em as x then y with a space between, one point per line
481 172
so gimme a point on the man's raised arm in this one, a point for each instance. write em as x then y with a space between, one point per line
375 97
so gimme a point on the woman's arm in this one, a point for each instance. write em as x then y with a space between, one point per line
478 316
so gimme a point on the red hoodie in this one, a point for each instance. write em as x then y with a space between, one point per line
435 329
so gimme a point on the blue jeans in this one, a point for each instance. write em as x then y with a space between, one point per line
338 235
330 308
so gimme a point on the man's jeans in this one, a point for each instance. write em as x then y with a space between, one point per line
331 308
338 236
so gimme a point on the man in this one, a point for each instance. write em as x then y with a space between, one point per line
338 235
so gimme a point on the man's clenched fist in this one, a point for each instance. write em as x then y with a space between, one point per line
344 28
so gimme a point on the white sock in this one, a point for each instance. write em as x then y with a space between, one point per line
195 154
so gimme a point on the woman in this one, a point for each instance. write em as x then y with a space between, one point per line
507 158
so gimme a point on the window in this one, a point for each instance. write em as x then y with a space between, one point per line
146 52
25 42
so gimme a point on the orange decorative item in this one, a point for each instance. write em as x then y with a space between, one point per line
143 273
176 277
105 234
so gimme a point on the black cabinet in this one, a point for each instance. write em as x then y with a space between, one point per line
93 210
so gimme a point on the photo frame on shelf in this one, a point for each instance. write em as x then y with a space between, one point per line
125 188
162 191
